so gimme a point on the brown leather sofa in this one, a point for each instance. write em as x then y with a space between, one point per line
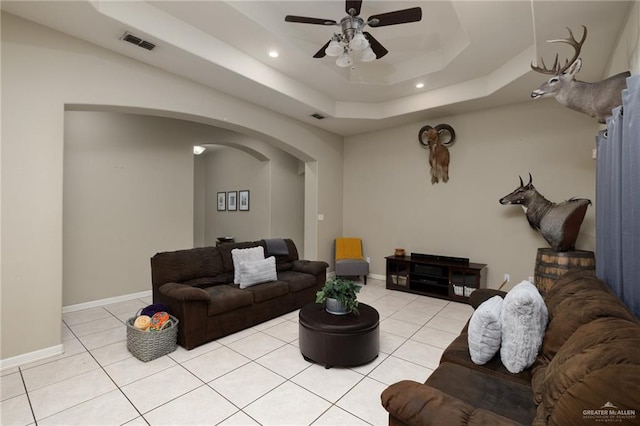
587 371
197 287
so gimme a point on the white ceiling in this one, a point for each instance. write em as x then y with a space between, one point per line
469 54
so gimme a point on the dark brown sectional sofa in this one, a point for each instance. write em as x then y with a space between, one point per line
197 287
587 371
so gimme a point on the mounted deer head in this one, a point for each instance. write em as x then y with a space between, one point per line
594 99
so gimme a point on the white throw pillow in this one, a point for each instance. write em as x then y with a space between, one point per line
258 272
245 255
524 321
485 331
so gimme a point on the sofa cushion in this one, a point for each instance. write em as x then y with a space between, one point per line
257 272
244 255
184 265
206 281
268 291
484 391
485 331
458 353
313 267
598 364
524 320
571 285
297 281
225 252
225 298
588 304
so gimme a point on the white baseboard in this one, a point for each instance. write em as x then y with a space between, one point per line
107 301
59 349
19 360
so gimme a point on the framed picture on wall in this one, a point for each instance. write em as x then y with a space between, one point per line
243 205
222 201
232 200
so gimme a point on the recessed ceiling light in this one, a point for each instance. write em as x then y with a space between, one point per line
273 54
419 85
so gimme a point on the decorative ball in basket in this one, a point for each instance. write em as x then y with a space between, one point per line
150 337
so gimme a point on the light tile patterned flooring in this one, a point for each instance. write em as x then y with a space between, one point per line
254 377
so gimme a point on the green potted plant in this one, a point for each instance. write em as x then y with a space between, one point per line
339 295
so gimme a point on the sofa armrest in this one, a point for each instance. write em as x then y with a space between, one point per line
483 294
418 404
184 293
313 267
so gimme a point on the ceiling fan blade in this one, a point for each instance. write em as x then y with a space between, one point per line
355 5
403 16
305 20
320 53
377 48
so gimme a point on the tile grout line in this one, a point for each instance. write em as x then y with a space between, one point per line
26 392
105 372
255 361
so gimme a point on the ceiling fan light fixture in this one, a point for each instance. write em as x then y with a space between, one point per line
359 42
334 48
367 55
344 60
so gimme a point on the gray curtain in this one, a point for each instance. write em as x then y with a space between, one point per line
618 199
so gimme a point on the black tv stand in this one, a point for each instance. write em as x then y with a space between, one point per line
445 277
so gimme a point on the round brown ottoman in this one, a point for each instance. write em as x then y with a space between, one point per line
339 340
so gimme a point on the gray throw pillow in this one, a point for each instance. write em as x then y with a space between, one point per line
258 272
524 321
485 331
244 255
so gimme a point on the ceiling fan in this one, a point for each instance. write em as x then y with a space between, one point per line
352 37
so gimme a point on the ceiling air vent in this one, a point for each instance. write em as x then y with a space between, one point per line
127 36
318 116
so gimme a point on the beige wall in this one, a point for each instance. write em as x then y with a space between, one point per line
390 202
45 72
131 190
287 200
229 169
276 196
626 55
128 193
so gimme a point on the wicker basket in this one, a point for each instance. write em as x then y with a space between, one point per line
149 345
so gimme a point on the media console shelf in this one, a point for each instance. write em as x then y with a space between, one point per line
451 278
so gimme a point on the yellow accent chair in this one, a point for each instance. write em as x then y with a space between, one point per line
349 259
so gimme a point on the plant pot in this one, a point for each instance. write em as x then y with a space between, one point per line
335 307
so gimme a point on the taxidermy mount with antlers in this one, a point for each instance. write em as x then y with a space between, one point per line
559 223
438 152
594 99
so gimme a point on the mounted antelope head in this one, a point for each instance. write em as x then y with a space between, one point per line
559 223
594 99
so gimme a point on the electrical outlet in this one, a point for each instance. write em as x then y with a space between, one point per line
368 259
531 280
507 278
